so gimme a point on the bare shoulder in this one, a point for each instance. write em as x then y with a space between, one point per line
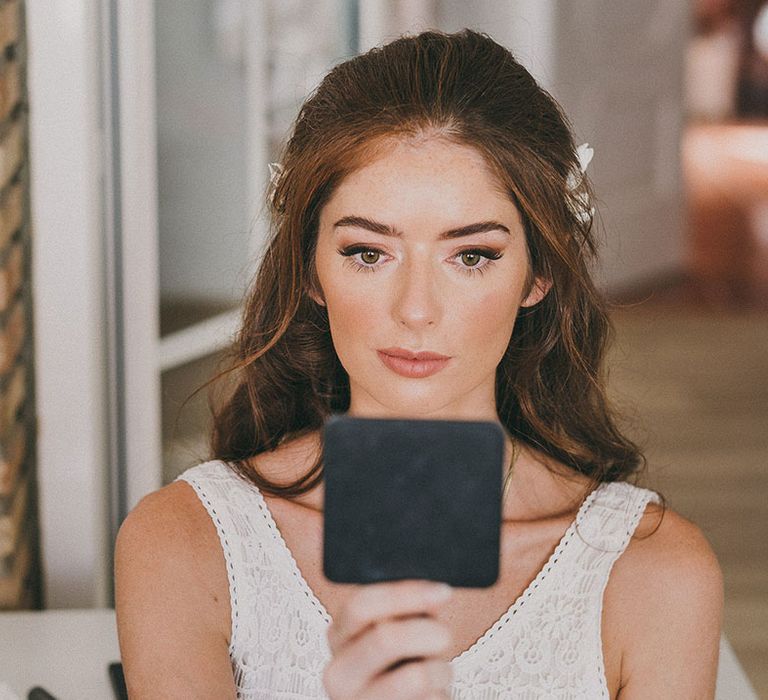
665 596
171 598
170 529
171 522
672 549
175 505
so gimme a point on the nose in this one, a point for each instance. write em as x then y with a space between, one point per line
417 300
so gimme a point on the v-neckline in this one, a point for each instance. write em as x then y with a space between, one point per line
316 603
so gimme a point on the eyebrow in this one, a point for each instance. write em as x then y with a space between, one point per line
386 230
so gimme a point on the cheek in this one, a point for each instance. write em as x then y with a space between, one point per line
352 317
351 314
490 315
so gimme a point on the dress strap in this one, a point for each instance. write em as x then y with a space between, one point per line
614 516
223 493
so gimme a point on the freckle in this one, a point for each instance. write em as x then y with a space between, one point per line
215 599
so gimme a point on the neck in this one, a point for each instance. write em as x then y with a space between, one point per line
537 485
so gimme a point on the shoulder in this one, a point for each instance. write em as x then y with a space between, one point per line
665 594
171 594
170 530
175 507
673 551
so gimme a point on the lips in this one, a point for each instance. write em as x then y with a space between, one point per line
415 365
411 355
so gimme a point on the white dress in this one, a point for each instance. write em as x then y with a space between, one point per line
547 644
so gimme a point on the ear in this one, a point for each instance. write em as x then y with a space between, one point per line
314 292
316 297
538 291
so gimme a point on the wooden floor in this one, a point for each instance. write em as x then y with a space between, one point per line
694 384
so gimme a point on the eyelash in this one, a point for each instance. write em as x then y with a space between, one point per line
489 255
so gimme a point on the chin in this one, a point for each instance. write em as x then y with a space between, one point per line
417 406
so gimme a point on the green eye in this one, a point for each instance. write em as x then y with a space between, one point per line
370 257
470 259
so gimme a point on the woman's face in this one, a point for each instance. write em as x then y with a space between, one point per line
419 251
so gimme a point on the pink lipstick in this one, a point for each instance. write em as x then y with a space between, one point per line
415 365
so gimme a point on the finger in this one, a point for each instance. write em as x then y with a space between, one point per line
418 680
379 648
377 601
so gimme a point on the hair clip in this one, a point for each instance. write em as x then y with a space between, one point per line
580 205
275 171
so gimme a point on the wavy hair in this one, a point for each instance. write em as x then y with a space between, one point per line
286 378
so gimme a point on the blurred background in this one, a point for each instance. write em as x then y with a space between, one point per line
134 143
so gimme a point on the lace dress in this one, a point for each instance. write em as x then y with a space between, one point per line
547 644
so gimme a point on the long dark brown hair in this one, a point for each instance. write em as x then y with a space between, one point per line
285 377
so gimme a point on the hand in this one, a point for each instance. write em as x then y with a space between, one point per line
385 643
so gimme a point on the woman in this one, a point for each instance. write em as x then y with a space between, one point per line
430 200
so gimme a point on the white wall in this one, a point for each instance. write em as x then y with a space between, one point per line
201 131
619 75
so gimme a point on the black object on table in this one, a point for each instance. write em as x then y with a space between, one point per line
118 681
38 693
116 677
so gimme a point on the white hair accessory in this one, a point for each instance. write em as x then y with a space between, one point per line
275 171
584 153
581 208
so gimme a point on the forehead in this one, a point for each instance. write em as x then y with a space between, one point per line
424 172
